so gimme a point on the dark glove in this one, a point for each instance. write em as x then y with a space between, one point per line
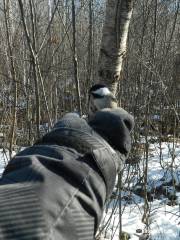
115 125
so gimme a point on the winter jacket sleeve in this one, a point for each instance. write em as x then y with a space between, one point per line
57 188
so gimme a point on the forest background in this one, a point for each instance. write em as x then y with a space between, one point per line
49 59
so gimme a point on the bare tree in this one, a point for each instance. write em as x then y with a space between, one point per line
75 60
8 24
114 41
177 73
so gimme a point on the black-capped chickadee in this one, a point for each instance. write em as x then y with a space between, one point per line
100 97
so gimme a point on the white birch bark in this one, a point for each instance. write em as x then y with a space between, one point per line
49 10
114 39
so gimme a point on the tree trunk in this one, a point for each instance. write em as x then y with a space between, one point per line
90 45
75 61
12 72
34 63
114 39
177 74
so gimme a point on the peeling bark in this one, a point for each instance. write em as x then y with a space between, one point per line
114 40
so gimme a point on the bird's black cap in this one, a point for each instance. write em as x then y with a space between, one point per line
96 87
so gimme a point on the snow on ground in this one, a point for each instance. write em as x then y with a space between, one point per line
3 159
164 220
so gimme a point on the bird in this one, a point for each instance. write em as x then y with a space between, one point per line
100 97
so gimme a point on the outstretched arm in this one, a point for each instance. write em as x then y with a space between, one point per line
57 188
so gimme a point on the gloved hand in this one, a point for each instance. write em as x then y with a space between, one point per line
115 125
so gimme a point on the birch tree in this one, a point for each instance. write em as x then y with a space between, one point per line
114 40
